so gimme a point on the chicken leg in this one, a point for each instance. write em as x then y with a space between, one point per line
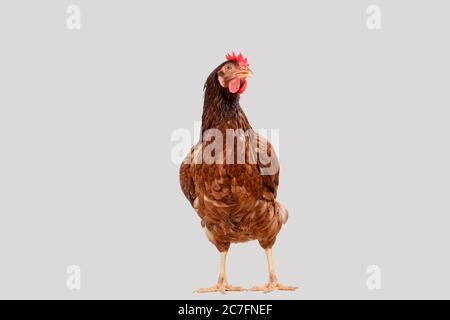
273 281
222 284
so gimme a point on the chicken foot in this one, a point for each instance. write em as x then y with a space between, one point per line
222 285
273 283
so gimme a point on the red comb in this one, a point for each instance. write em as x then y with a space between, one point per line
238 58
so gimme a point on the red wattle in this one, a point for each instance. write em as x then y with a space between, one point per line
234 85
243 86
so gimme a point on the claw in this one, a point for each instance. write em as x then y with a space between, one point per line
272 286
222 288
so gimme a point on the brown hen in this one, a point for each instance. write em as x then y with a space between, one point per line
231 176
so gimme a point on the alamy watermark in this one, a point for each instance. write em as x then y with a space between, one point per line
373 281
230 146
73 281
373 21
73 21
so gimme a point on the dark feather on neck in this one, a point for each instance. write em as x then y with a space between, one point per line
221 105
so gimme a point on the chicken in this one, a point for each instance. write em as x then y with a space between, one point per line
230 177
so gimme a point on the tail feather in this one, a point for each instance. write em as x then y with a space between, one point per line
283 213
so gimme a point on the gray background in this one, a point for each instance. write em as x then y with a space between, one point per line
86 117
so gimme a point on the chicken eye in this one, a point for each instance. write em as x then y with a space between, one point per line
229 67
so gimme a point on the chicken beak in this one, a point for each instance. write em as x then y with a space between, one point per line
247 73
